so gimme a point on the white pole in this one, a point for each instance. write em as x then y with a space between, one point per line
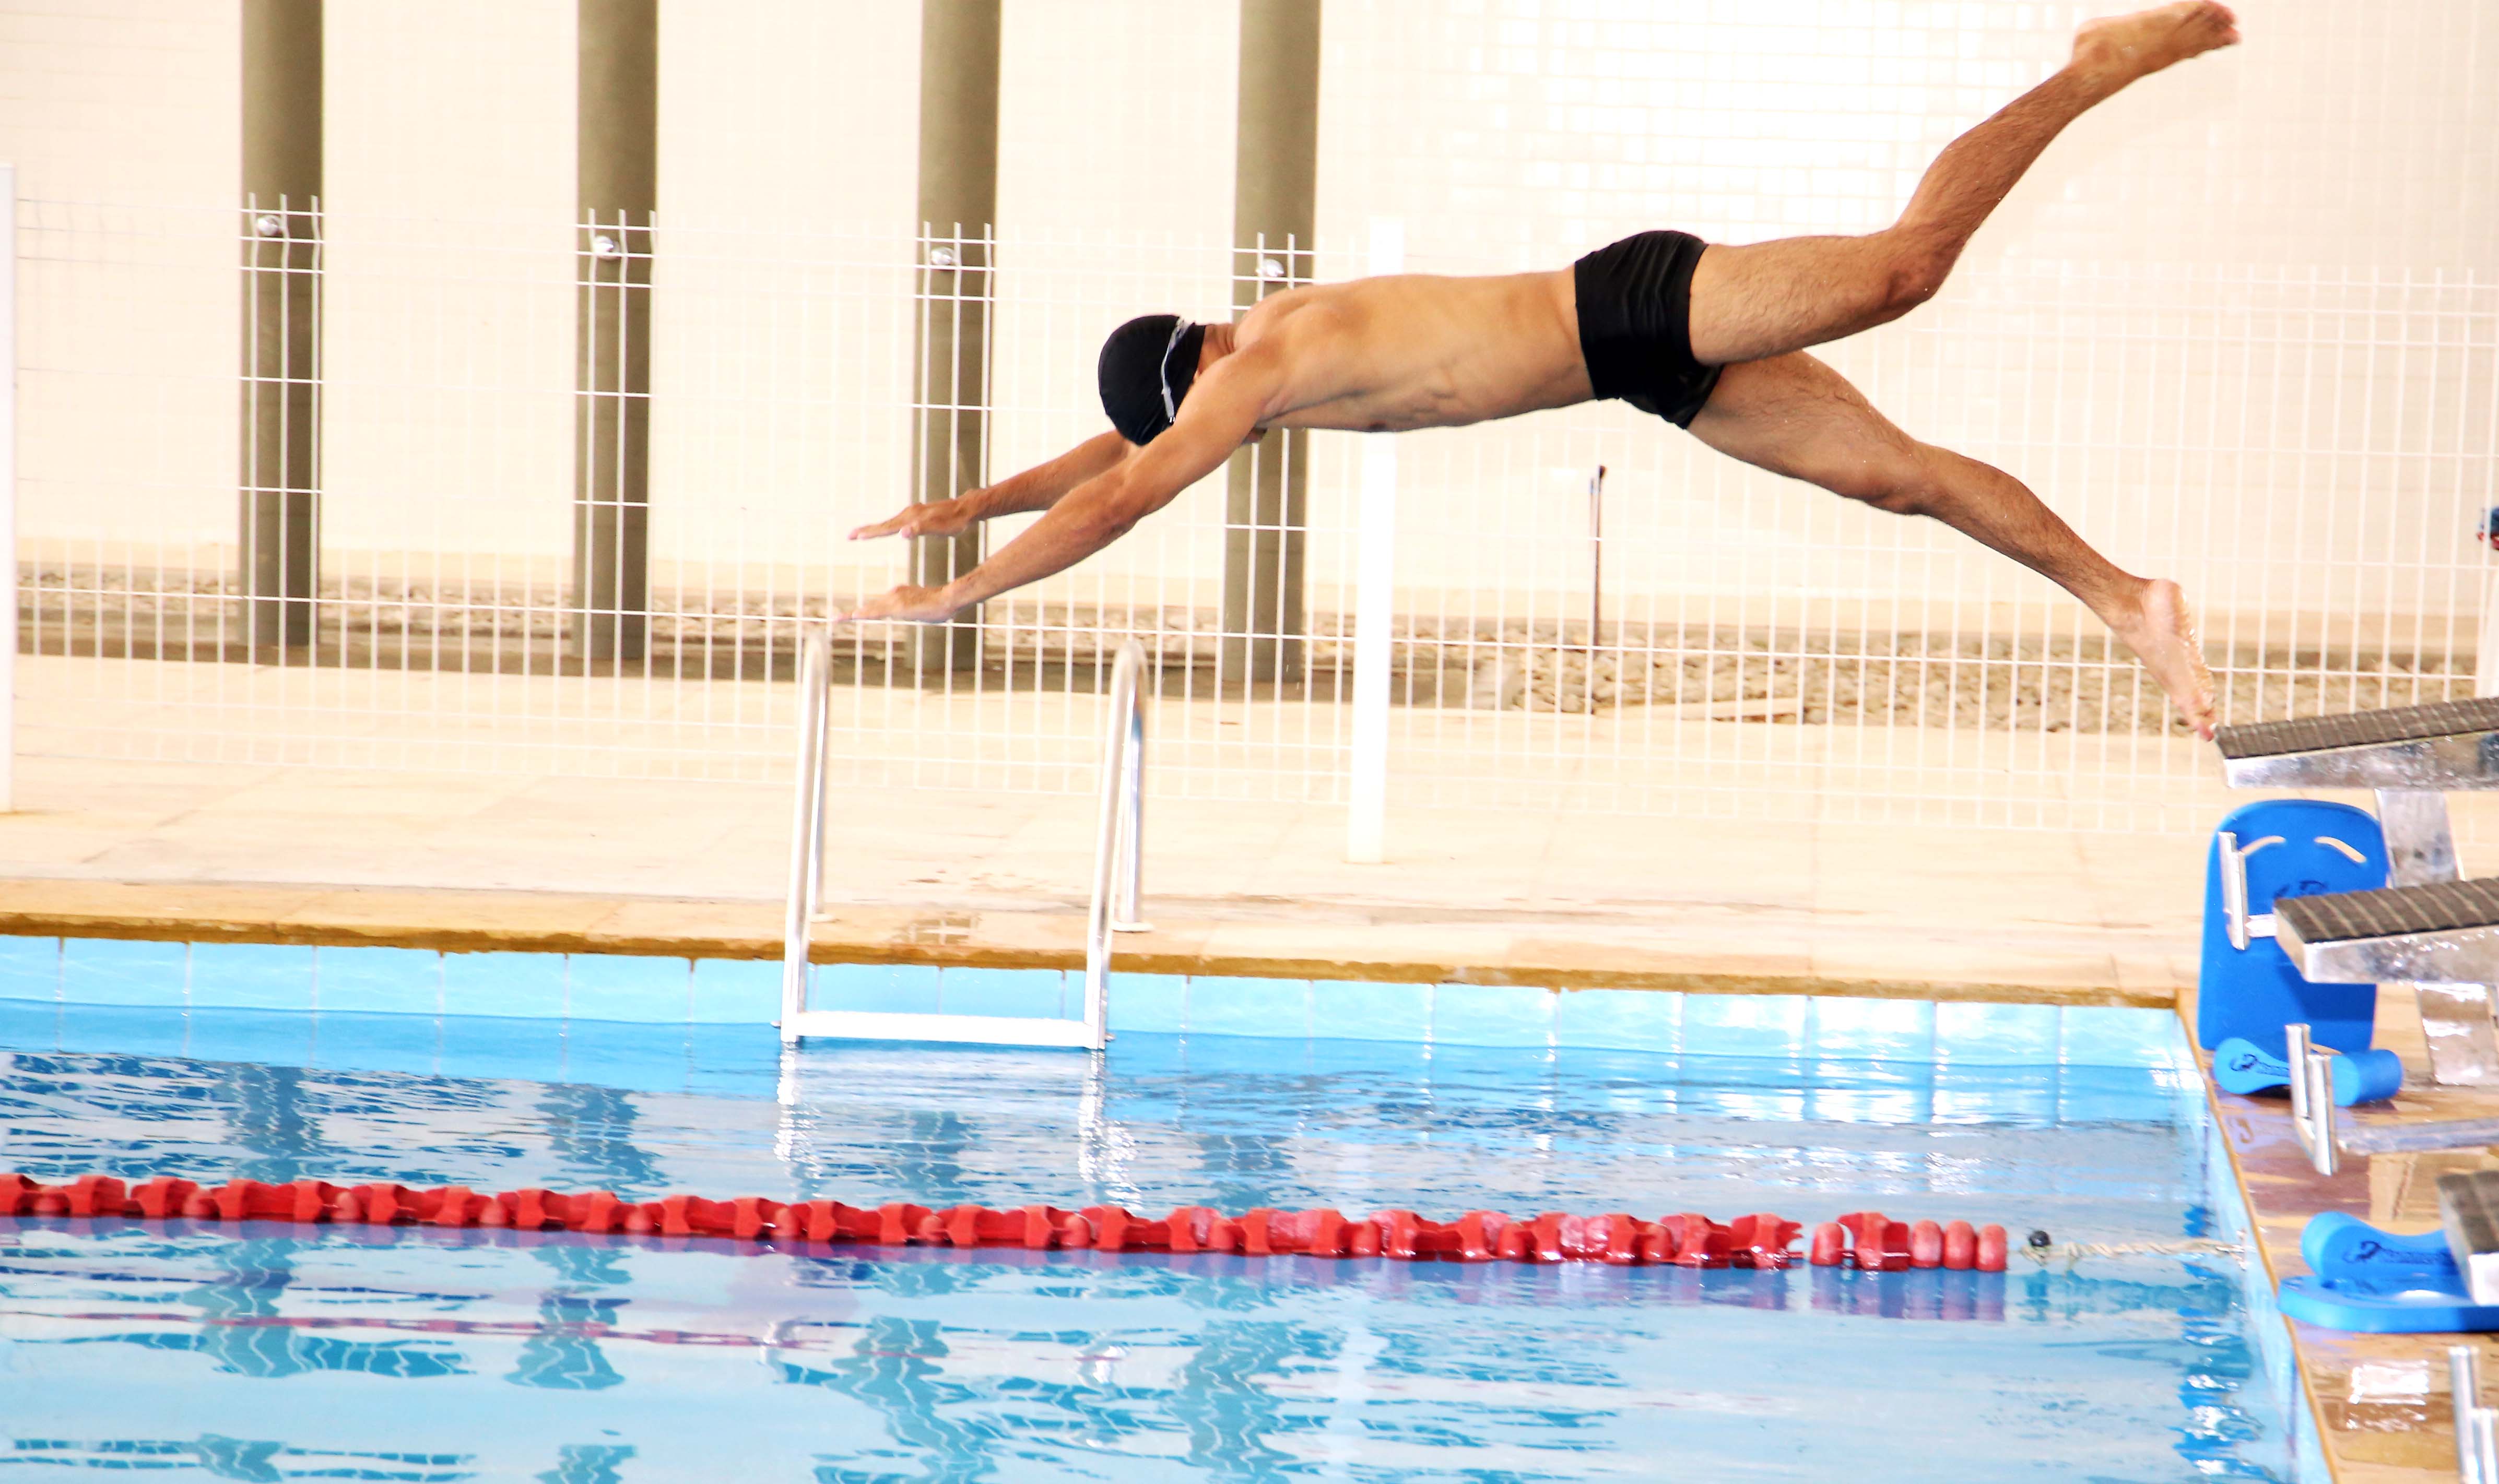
807 824
9 491
1375 607
2486 663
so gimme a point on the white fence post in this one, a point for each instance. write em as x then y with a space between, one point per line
2485 660
1375 607
9 491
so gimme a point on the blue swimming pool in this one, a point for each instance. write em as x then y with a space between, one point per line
272 1353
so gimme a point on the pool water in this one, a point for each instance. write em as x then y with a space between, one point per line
278 1353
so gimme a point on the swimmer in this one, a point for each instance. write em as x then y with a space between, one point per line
1711 339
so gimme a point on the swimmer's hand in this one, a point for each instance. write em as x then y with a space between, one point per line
936 518
909 603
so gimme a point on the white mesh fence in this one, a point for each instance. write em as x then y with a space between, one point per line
2311 453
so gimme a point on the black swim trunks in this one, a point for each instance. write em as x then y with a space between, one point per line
1636 325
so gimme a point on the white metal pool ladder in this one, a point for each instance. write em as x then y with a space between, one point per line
1117 870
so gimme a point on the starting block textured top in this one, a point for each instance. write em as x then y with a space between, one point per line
2441 932
2443 746
2468 1211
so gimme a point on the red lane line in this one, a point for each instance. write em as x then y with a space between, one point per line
1865 1239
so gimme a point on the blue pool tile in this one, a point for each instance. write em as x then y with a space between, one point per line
2105 1094
1852 1029
1619 1020
379 980
252 976
629 986
635 1056
734 991
29 1025
1218 1055
1366 1012
109 971
1912 1104
2025 1095
1768 1025
1631 1079
1357 1058
278 1038
1249 1007
1147 1054
734 1061
30 968
512 986
1771 1097
124 1030
1996 1035
1491 1014
528 1050
1153 1004
1038 992
357 1041
1491 1079
2115 1036
894 989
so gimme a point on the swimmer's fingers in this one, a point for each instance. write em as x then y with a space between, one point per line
939 517
908 603
904 523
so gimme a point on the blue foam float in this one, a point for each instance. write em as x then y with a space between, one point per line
2241 1066
2292 847
2378 1282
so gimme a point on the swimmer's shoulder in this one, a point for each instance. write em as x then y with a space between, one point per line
1314 309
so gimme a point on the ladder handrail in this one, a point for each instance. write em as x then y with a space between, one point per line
806 822
1118 853
1118 843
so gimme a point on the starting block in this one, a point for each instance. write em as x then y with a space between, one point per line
2266 855
2422 927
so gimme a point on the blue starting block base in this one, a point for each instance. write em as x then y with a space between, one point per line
2360 1077
2292 847
2375 1283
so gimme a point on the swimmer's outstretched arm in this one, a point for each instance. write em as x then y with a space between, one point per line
1038 488
1222 410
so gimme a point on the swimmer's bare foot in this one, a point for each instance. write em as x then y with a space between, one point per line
2113 51
2161 632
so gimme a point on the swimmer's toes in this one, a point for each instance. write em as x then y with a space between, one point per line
2163 639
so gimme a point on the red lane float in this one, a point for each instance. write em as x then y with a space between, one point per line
1868 1240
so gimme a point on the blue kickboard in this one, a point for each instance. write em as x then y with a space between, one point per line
2360 1077
2377 1282
2254 993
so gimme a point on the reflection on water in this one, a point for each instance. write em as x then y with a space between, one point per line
272 1353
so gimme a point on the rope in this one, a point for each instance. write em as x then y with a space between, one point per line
2072 1252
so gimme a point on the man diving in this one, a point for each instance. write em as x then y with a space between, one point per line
1712 338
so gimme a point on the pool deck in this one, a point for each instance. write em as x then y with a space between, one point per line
297 855
2382 1405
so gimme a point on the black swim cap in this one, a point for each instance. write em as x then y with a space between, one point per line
1146 369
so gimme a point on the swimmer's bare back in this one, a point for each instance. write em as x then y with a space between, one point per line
1709 339
1414 350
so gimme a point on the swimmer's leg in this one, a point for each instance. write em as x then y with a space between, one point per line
1768 298
1793 416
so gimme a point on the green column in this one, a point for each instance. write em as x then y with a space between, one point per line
958 198
1273 215
280 485
618 173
